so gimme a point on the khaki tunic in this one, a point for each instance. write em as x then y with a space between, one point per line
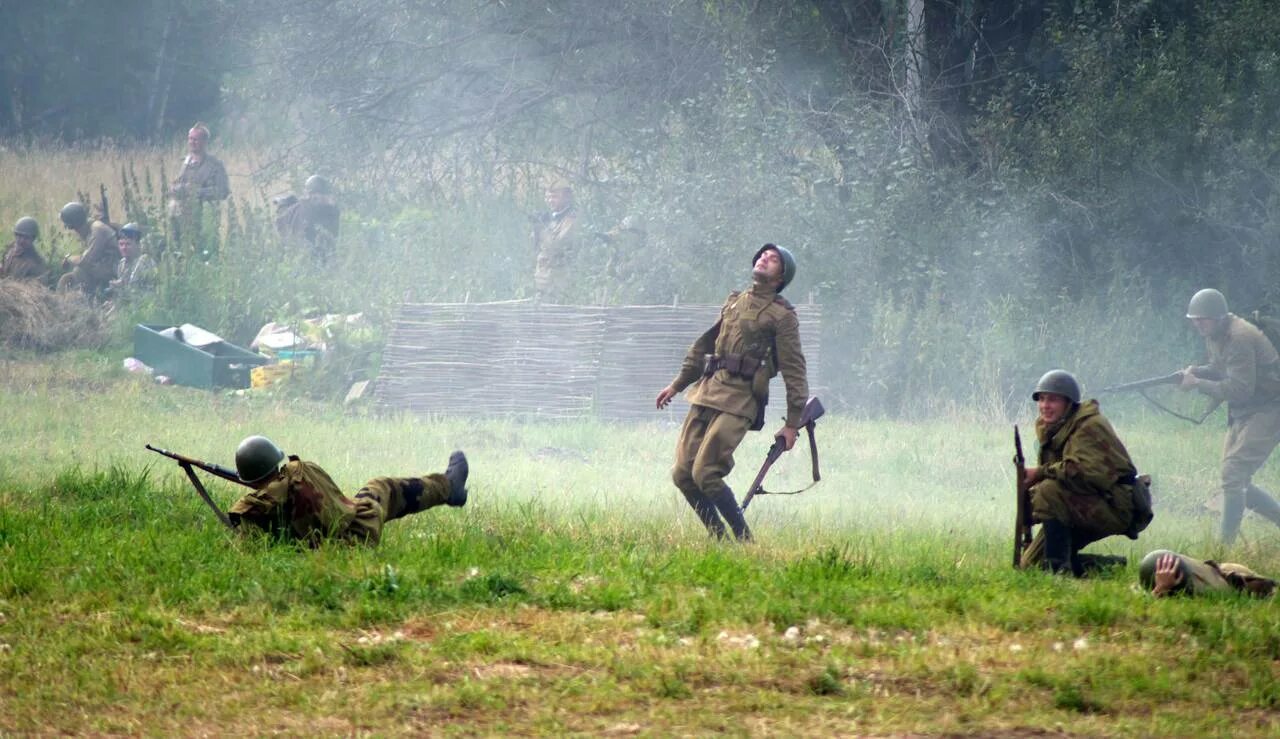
1082 465
1249 368
304 503
558 247
757 324
23 265
313 220
205 179
96 266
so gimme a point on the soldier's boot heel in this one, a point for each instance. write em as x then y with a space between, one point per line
1057 548
728 506
706 513
456 473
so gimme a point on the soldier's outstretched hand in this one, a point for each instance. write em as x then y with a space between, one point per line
664 397
1168 576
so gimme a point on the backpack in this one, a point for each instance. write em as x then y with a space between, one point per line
1267 324
1142 511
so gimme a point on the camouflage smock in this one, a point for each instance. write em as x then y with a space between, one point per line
1083 453
302 502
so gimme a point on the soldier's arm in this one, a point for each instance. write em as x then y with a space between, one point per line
792 366
1239 375
695 358
1084 459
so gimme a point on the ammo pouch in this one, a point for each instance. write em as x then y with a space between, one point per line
747 367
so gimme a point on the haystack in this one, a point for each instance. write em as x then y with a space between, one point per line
35 317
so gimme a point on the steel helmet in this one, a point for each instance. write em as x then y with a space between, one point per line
26 226
257 458
132 230
788 263
1147 569
1058 382
1208 303
317 185
74 214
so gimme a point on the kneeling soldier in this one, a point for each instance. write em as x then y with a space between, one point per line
299 500
1083 489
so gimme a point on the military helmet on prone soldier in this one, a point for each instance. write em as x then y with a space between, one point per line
131 230
74 214
317 185
1208 303
788 263
257 458
1147 569
26 226
1058 382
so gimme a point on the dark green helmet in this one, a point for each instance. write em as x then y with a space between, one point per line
26 226
788 263
317 185
1058 382
257 458
74 214
1208 303
1147 569
132 230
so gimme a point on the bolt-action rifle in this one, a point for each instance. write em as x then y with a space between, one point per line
813 410
103 204
1141 387
187 463
1022 524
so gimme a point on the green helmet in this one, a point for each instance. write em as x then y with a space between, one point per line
132 230
317 185
788 263
257 458
26 226
1208 303
1147 569
74 214
1058 382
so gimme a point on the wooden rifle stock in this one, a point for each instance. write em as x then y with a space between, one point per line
187 463
1022 523
813 410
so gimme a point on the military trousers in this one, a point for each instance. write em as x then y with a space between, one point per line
1090 515
704 453
1249 442
383 499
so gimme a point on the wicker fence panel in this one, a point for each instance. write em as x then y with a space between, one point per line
519 358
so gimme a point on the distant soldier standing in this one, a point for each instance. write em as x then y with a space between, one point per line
1083 489
557 243
1244 372
21 260
93 269
202 178
313 220
757 336
295 499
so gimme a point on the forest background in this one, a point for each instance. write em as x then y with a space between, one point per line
976 190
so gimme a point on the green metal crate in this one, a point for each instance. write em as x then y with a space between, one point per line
220 364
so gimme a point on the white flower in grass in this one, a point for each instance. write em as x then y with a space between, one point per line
1015 647
792 634
1080 644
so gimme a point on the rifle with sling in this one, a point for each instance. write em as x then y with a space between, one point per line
1141 386
1022 523
813 410
187 463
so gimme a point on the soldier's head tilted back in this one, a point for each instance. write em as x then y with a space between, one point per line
773 265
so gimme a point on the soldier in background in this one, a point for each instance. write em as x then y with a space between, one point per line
93 269
1166 573
202 177
312 220
21 260
557 244
1083 488
1243 371
757 336
135 270
298 500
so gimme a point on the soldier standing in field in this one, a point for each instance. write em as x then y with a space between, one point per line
21 260
298 500
93 269
557 244
312 220
757 336
202 177
1244 372
1083 488
1167 573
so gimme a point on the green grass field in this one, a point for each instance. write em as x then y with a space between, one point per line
576 593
